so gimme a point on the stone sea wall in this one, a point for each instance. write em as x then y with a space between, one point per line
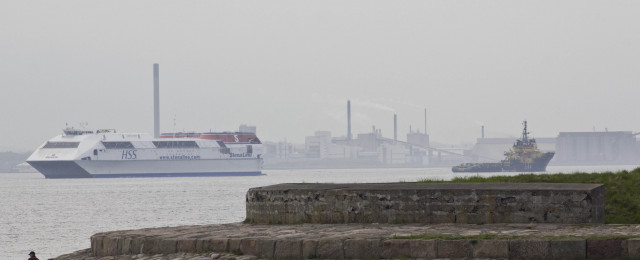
379 241
358 221
464 203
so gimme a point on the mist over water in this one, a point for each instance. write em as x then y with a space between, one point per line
289 69
57 216
563 65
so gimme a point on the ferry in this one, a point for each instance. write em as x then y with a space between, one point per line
106 153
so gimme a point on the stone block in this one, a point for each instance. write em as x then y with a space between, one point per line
168 246
529 249
249 246
291 249
126 246
219 244
234 245
186 245
423 248
362 248
106 245
426 203
633 247
568 249
263 248
490 248
330 249
396 248
309 248
137 245
454 249
113 248
150 246
96 245
203 245
614 248
266 248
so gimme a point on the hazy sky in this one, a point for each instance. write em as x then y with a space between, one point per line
289 67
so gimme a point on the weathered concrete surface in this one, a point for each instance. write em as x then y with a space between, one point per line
86 255
342 241
466 203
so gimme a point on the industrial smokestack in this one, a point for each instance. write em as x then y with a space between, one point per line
425 120
156 100
395 127
482 132
348 120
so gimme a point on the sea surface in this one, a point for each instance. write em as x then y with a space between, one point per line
57 216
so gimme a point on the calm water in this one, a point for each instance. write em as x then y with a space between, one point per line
54 217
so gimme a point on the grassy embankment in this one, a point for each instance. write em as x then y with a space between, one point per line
622 190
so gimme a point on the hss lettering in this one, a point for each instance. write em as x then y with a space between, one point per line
129 154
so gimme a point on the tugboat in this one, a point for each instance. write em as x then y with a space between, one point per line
523 157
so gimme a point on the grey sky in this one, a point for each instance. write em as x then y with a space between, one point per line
289 67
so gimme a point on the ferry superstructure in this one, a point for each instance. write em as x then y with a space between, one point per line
106 153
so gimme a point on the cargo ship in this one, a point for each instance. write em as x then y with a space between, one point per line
523 157
106 153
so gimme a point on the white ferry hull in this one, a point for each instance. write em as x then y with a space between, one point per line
84 154
147 168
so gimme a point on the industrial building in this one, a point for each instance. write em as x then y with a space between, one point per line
597 148
322 150
572 148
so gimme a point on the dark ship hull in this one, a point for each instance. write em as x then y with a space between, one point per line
537 165
523 157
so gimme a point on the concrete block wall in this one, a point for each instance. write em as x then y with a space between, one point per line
467 203
361 248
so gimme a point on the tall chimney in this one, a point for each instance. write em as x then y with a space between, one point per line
482 132
156 100
348 120
395 127
425 120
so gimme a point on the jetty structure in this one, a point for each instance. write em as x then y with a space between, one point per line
399 220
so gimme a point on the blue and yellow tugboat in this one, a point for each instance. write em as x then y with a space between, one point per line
523 157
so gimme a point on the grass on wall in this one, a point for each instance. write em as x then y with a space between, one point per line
622 189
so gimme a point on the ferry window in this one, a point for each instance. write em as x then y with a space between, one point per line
249 149
118 145
175 144
52 145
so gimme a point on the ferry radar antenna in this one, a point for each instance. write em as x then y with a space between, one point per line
174 125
